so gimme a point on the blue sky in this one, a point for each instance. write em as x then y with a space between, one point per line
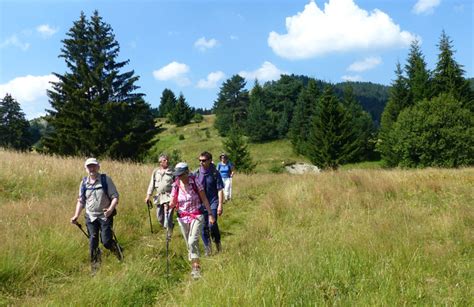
191 47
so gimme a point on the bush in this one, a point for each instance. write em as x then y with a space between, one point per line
434 133
181 137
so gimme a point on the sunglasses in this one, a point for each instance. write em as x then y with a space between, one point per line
203 160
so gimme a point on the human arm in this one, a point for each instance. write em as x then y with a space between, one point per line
110 210
220 194
206 204
151 187
113 196
77 212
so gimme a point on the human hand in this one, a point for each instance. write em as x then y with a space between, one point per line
219 210
212 219
74 219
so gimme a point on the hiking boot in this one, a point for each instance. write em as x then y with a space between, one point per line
96 261
218 247
196 273
207 250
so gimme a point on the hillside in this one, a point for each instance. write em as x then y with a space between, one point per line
356 237
199 137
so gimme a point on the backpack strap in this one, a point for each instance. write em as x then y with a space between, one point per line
103 183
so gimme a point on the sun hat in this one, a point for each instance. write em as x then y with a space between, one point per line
91 161
180 168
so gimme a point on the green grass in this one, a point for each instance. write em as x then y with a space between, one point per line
352 237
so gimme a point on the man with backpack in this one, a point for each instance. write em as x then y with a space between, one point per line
210 178
99 196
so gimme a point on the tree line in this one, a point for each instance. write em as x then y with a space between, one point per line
97 111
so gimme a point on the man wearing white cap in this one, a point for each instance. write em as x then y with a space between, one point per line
99 196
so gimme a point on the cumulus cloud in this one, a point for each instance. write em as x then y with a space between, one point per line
203 44
425 6
266 72
174 71
341 26
15 42
365 64
352 78
212 80
30 92
46 30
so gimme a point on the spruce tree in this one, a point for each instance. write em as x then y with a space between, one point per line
418 76
95 110
398 100
237 149
14 128
448 76
258 121
332 141
303 114
231 105
167 103
182 114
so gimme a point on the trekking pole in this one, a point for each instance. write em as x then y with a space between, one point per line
168 237
149 205
80 227
119 248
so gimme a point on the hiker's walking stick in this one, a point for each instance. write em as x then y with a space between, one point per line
80 227
168 216
119 248
149 205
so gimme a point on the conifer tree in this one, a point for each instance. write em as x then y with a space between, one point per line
303 114
258 120
231 105
167 103
448 76
237 149
95 110
398 100
332 141
182 114
418 76
14 128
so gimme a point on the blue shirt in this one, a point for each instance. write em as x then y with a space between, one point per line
225 169
212 181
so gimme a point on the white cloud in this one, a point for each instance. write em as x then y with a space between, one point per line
30 92
212 79
46 31
266 72
342 26
352 78
202 44
16 42
365 64
174 71
425 6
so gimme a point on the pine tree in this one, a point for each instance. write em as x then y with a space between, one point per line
167 103
418 76
448 75
398 100
182 114
95 110
258 120
332 141
238 152
14 128
231 105
303 114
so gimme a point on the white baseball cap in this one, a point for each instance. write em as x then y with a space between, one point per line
91 161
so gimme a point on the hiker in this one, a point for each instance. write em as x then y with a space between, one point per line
226 169
187 195
208 176
161 181
99 196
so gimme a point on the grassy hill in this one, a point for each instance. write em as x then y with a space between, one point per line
351 237
195 138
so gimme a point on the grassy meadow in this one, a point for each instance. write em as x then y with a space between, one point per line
351 237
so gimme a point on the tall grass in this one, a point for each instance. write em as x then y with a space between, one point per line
356 237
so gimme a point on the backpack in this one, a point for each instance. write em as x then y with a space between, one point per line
104 187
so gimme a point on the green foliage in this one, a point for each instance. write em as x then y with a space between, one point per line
258 125
167 103
198 118
181 137
418 76
332 141
231 105
181 114
95 110
14 128
437 132
238 152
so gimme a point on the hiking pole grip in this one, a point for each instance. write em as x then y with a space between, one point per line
80 227
149 205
